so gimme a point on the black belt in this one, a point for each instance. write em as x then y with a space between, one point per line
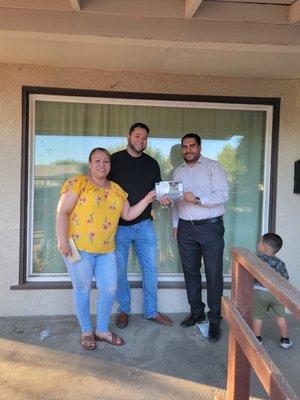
203 221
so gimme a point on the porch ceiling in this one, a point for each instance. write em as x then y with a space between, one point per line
210 38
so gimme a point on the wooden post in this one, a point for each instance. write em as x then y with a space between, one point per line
242 289
238 370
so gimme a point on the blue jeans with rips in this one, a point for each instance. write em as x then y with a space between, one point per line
143 238
104 268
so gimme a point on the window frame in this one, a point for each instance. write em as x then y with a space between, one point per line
31 94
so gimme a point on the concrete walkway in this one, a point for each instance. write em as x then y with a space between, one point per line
156 362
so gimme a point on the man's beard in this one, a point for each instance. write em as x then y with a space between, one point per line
191 160
135 149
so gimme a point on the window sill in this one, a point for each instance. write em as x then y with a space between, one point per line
68 285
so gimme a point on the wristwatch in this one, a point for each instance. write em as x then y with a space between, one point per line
198 201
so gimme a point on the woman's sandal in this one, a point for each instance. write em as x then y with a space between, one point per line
112 339
88 342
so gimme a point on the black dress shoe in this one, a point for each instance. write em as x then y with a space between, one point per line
192 320
214 332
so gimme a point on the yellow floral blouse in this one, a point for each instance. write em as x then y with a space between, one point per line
94 219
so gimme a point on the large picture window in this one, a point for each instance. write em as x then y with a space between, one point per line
62 130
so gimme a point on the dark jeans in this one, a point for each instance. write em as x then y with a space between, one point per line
195 242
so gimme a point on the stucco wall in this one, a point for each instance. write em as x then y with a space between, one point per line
13 77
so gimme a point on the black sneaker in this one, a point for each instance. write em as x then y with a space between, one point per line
259 338
193 320
214 332
285 343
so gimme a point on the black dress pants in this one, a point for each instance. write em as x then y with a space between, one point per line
202 241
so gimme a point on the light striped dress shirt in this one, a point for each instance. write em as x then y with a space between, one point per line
207 180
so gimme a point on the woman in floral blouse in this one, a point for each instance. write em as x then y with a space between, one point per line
88 212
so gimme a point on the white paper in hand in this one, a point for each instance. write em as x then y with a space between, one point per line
74 256
173 190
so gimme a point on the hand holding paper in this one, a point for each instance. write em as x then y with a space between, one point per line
74 256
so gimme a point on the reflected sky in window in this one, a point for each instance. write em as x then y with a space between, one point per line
50 148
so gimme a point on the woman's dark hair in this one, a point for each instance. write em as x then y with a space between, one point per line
139 125
98 149
273 240
193 136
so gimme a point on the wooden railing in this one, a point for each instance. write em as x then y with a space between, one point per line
244 350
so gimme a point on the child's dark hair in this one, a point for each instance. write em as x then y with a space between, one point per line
273 240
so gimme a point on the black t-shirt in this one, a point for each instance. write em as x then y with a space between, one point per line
137 176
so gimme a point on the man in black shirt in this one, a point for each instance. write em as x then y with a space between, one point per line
137 173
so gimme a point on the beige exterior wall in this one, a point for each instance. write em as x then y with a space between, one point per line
13 77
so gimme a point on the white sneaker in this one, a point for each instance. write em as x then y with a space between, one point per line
285 343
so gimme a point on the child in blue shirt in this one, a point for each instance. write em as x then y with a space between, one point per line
263 301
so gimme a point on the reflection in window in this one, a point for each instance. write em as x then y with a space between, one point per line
65 132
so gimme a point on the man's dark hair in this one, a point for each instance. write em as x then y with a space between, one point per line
139 125
98 149
273 240
193 136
